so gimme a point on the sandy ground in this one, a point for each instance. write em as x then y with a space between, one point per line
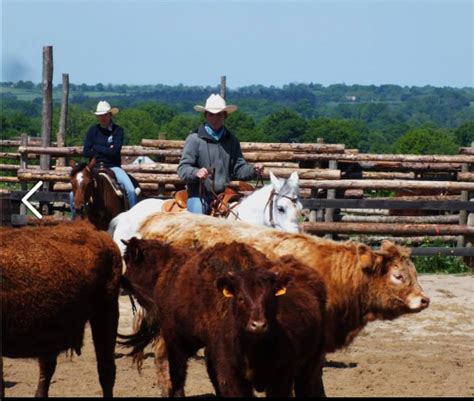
428 354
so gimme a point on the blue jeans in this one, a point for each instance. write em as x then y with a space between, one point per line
71 205
195 205
126 182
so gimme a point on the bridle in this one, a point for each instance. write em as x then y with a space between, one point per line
90 198
270 202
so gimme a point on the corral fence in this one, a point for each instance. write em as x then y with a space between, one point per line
410 199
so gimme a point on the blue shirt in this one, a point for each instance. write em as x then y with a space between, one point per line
98 141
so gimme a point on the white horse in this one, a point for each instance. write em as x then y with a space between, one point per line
275 205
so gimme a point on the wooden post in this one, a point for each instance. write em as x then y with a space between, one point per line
47 115
331 194
23 164
468 240
314 215
223 87
61 136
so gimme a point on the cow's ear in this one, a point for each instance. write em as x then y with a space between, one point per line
281 282
133 249
72 163
226 285
369 261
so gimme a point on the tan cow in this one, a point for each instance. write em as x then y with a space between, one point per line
362 284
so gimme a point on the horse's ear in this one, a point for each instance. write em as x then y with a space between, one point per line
91 163
275 182
294 178
72 163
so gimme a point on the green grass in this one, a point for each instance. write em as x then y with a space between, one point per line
441 264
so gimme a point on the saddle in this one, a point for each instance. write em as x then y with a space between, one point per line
176 204
220 206
109 176
223 204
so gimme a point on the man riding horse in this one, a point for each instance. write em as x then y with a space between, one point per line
212 157
104 143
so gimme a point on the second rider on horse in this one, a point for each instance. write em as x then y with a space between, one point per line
104 141
212 157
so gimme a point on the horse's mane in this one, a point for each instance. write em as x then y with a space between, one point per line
78 167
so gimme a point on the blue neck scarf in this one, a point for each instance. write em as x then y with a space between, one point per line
217 135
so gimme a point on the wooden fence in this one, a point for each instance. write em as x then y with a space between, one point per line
432 191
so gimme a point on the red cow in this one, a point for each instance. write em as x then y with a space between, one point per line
232 300
54 280
362 284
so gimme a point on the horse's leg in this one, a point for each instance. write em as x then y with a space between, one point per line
47 365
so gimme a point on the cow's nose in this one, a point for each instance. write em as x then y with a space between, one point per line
258 326
425 301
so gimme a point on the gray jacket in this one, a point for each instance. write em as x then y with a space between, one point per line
224 158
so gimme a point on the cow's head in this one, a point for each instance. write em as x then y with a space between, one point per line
392 281
253 294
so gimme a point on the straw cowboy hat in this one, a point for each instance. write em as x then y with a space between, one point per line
103 107
215 104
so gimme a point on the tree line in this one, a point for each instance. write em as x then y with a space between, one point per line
374 119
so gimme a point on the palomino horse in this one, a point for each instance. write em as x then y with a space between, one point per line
275 205
95 195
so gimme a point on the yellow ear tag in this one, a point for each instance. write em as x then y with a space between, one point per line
227 293
281 291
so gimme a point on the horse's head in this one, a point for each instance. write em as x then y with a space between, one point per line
82 183
284 203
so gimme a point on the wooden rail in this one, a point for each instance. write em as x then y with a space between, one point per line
322 170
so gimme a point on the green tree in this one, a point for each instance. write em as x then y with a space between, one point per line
464 134
78 122
283 126
137 124
160 113
347 132
427 141
15 123
181 126
242 125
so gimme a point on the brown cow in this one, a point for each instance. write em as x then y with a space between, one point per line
54 280
226 298
362 284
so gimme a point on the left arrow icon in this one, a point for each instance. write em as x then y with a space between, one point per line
28 195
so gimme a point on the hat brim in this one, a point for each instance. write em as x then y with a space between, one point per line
113 111
229 109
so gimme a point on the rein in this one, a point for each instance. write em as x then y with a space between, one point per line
270 204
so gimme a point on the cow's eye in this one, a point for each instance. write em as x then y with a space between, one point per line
240 299
398 278
281 209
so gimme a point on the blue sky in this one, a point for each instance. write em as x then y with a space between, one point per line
405 42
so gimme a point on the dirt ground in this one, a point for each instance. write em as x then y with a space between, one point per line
428 354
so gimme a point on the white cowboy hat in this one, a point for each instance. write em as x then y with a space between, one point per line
215 104
103 107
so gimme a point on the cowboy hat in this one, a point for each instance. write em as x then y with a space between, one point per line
103 107
215 104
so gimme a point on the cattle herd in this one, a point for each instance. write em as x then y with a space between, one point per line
265 305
